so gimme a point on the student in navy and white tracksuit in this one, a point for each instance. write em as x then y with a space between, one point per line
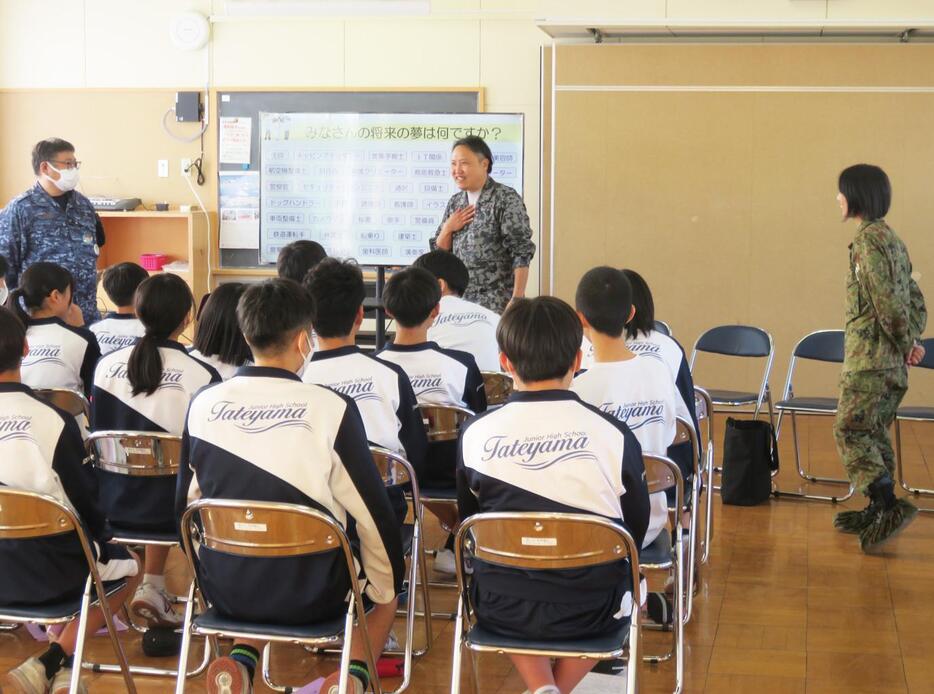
60 354
635 389
120 328
41 451
147 387
218 340
265 435
461 324
380 388
547 451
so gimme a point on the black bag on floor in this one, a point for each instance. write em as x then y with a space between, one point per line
750 453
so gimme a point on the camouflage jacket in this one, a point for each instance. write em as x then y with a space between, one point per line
34 228
885 310
493 245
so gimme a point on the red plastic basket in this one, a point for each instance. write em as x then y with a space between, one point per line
153 261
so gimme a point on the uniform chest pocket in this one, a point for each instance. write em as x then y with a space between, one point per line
854 299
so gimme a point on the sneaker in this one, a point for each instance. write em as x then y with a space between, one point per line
887 525
26 678
444 562
331 685
62 682
154 606
227 676
659 609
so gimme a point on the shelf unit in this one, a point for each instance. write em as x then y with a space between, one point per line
179 235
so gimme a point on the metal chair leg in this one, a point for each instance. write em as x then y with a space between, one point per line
458 648
807 477
900 471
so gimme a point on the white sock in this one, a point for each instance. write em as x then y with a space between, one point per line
156 580
547 689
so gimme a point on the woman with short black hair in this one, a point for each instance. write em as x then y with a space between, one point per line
885 317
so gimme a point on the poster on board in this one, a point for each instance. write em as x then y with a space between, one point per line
369 186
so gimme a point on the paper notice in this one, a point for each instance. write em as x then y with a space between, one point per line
235 140
239 209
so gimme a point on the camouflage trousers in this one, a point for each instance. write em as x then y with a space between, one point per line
866 410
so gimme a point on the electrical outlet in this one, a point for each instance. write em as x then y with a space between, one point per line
163 168
186 164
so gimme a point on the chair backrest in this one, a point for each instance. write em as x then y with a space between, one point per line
684 433
73 402
662 327
821 345
498 387
393 468
26 515
703 404
136 453
663 473
262 529
547 540
735 341
928 361
443 422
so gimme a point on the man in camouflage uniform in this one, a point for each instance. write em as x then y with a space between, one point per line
885 316
55 223
487 227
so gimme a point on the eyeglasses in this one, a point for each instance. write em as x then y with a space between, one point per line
70 164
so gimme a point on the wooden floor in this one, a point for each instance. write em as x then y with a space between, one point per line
786 604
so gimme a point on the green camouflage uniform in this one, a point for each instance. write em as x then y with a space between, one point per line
493 245
885 314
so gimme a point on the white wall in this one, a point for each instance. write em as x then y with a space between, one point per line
492 44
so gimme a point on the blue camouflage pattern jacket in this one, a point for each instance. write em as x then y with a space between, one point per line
35 228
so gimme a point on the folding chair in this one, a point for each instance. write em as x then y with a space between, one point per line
703 406
818 346
442 423
544 541
396 471
28 515
662 327
661 474
73 402
914 414
139 454
498 387
265 529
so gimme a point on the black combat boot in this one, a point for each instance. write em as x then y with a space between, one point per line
893 515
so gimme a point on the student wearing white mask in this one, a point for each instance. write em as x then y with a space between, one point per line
53 222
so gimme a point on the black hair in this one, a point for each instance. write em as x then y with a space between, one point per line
541 337
644 320
867 190
271 312
12 340
218 332
4 267
163 304
604 297
336 288
476 144
446 266
410 295
46 150
297 258
36 283
121 280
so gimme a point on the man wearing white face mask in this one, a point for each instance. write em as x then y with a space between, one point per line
53 222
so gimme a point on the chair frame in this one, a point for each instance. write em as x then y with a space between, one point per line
67 521
707 468
788 395
666 328
60 397
899 463
355 607
127 537
460 414
464 609
666 475
386 459
684 432
495 386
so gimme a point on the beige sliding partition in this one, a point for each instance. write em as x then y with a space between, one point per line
712 170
